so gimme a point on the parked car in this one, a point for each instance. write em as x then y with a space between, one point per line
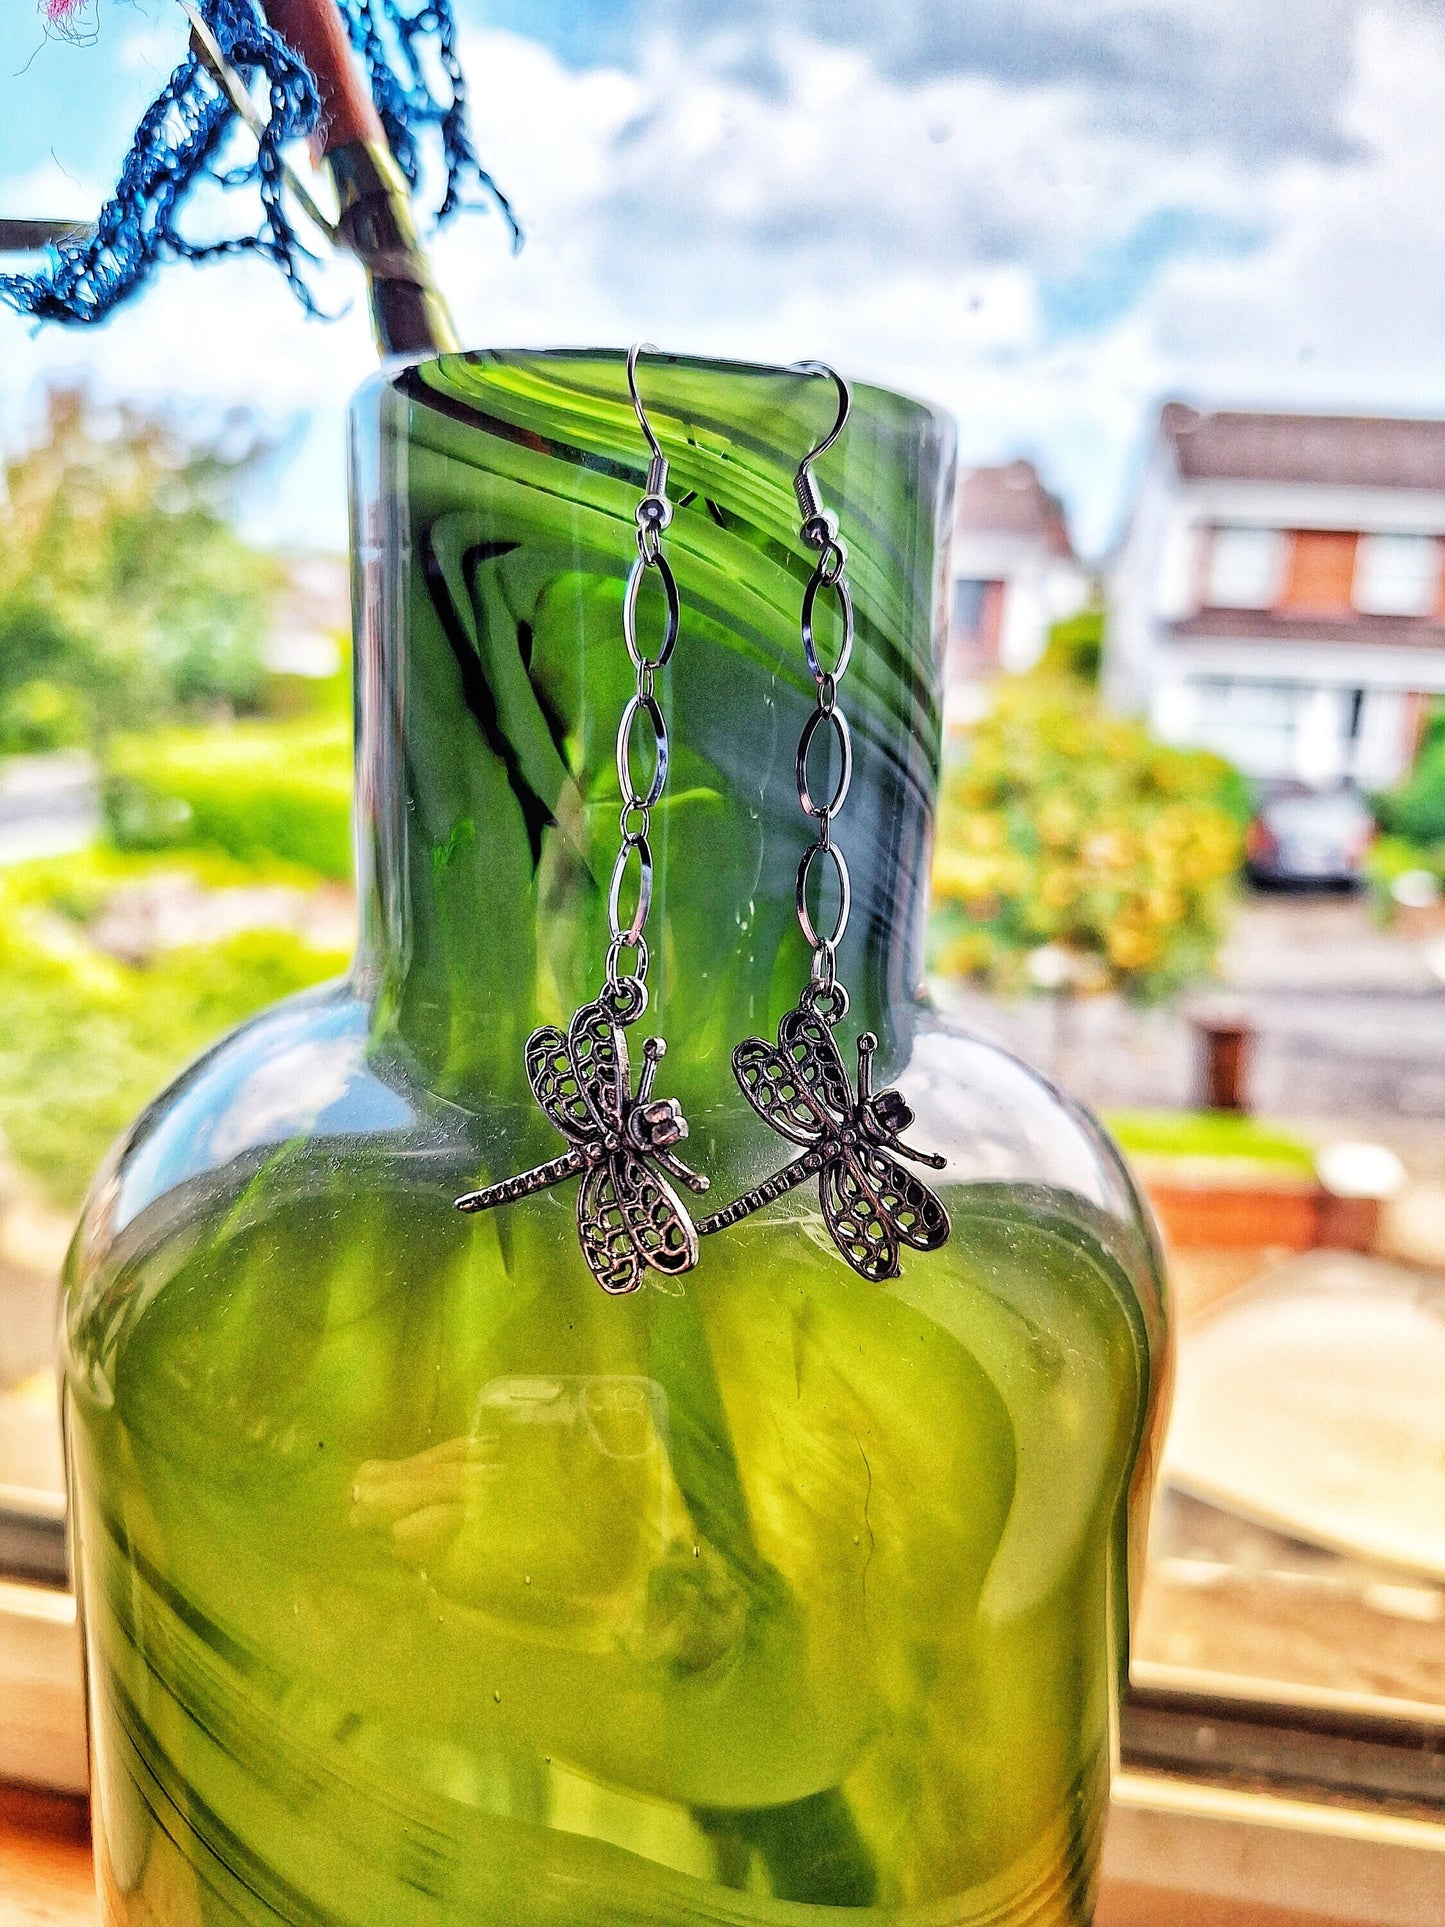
1301 835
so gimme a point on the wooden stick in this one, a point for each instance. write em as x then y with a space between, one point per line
376 222
314 29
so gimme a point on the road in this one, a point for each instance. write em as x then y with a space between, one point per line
49 805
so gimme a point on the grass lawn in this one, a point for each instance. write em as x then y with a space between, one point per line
1209 1134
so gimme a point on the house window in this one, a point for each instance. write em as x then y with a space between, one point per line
1252 724
978 617
1245 568
968 595
1321 574
1397 575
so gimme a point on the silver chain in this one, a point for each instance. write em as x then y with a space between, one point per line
825 994
626 996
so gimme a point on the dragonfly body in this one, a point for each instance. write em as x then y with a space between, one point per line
629 1218
872 1205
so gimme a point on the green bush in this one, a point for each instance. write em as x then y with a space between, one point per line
1075 852
254 790
41 715
85 1041
1075 646
1416 810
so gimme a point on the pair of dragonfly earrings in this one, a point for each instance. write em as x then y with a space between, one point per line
622 1143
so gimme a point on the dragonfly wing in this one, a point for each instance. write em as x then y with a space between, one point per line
807 1041
914 1213
553 1078
769 1079
599 1064
861 1228
632 1221
607 1245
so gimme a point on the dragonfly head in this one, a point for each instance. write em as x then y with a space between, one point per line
890 1112
656 1125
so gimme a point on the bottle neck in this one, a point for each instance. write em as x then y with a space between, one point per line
493 503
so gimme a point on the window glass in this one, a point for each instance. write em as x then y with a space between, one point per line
1252 724
968 603
1397 575
1246 568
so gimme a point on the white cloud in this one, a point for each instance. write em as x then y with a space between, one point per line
991 236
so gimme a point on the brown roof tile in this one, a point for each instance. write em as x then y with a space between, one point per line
1013 501
1264 625
1331 450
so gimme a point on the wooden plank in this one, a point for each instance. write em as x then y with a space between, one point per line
1122 1904
45 1870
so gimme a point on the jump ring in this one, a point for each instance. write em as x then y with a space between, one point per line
828 1001
632 934
629 611
615 953
845 896
818 581
625 997
833 561
642 705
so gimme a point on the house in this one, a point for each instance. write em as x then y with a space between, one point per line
1279 596
311 611
1014 573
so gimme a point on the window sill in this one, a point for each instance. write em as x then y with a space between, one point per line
1181 1852
1191 1855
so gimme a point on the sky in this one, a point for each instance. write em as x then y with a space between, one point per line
1046 215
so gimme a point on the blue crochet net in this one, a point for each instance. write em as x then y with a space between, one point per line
410 56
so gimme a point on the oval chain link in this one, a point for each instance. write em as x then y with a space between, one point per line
626 995
819 530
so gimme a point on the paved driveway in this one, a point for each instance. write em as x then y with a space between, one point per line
1349 1021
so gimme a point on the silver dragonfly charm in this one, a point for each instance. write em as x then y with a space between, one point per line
629 1218
852 1144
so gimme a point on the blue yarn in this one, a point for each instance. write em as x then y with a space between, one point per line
394 55
182 135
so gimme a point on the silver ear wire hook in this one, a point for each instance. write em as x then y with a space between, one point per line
654 506
810 503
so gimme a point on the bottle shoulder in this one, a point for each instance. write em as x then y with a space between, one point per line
299 1070
1009 1131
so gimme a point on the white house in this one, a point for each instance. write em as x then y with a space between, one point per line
1014 572
1279 596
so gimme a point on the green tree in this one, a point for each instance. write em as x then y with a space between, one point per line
1076 853
1416 810
125 594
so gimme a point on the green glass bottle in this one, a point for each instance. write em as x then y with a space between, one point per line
422 1582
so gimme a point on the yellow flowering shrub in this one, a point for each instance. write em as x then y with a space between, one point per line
1076 852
